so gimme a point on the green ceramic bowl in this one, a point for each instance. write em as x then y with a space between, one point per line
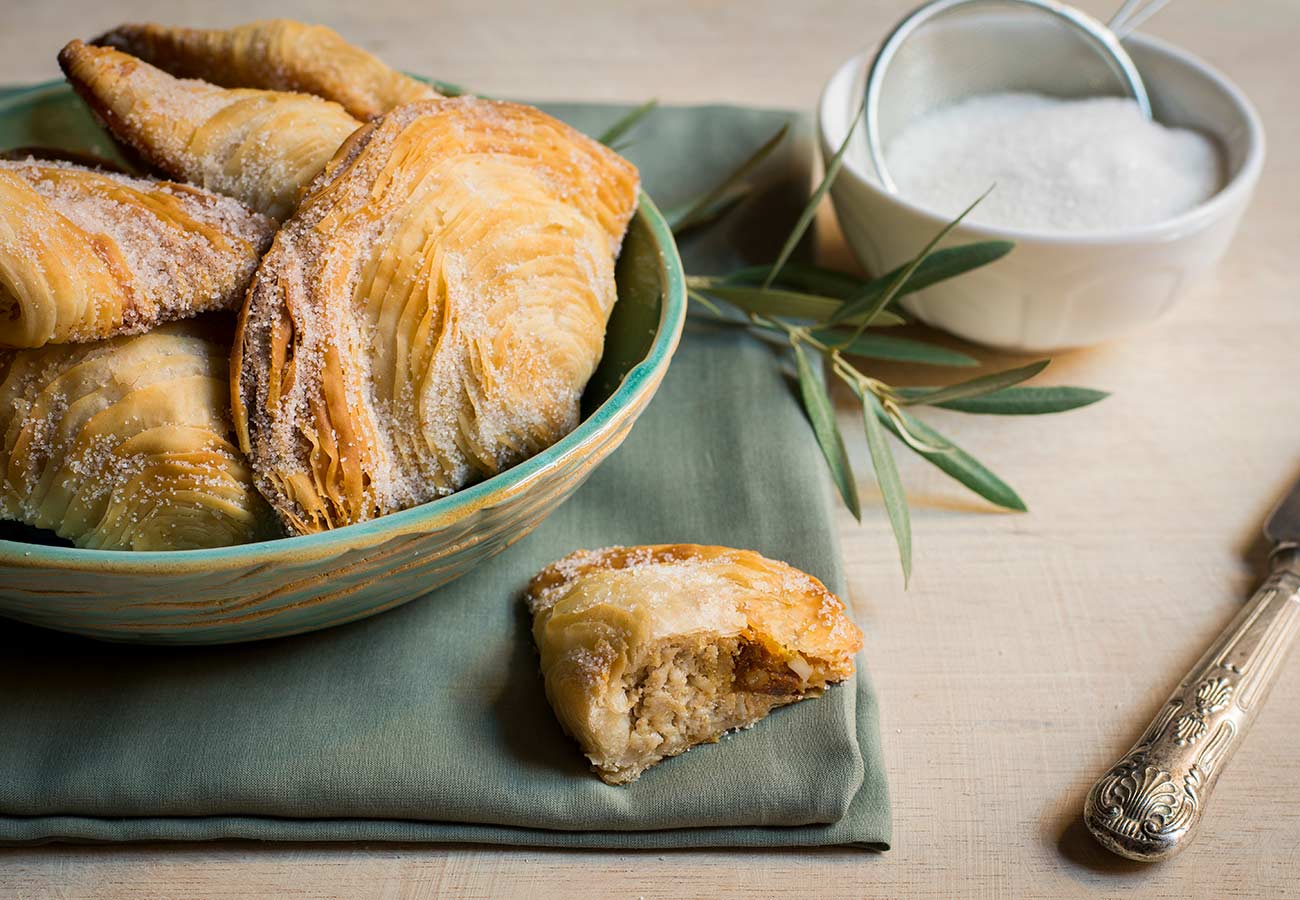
304 583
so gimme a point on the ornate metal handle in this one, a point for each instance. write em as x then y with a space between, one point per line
1148 805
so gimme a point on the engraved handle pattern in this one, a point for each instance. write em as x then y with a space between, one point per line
1148 805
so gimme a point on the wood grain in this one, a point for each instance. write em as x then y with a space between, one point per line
1031 649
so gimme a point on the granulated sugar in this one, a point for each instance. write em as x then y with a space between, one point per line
1056 165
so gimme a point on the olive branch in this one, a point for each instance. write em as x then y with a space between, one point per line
818 312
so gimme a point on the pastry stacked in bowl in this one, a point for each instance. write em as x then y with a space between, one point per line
335 294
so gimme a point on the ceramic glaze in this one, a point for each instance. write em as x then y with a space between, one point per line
298 584
1053 291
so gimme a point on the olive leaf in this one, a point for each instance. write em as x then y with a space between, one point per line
1021 401
685 220
891 486
800 276
957 463
810 209
937 266
627 123
984 384
867 308
896 349
812 309
817 402
730 191
770 302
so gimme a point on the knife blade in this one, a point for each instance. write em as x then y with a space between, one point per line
1283 525
1149 805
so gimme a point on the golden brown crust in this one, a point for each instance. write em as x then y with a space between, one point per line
88 254
432 312
125 444
274 54
787 610
261 147
647 651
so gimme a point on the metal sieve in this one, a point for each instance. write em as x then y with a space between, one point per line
1100 39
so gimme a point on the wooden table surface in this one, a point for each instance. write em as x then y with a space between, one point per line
1031 649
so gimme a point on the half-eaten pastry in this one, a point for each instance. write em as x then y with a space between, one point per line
648 651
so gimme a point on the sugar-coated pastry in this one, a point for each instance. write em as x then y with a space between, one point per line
126 444
432 312
261 147
87 254
275 54
648 651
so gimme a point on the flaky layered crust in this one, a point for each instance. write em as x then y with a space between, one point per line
274 54
260 147
432 312
647 651
87 254
126 444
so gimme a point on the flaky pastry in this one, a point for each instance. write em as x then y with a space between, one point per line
87 254
648 651
126 444
432 312
261 147
274 54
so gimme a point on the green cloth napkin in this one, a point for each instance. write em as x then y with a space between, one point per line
429 723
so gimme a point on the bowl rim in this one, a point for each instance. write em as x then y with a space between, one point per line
641 379
1217 206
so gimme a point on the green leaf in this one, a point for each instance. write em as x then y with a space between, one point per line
1022 401
897 349
984 384
693 213
627 123
822 415
940 265
801 277
957 463
869 306
891 486
704 301
810 210
771 302
682 219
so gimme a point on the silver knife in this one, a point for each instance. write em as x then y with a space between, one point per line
1148 805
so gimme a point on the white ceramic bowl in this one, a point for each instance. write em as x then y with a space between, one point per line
1053 291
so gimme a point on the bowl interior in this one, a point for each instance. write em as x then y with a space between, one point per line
640 337
1184 93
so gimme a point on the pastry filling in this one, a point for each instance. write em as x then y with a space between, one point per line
11 310
690 692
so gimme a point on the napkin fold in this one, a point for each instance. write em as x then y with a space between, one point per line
429 722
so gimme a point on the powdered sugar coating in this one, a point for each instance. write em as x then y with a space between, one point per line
261 147
87 254
125 444
432 312
275 54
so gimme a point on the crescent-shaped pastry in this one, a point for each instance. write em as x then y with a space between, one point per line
274 54
126 444
261 147
432 312
648 651
87 254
